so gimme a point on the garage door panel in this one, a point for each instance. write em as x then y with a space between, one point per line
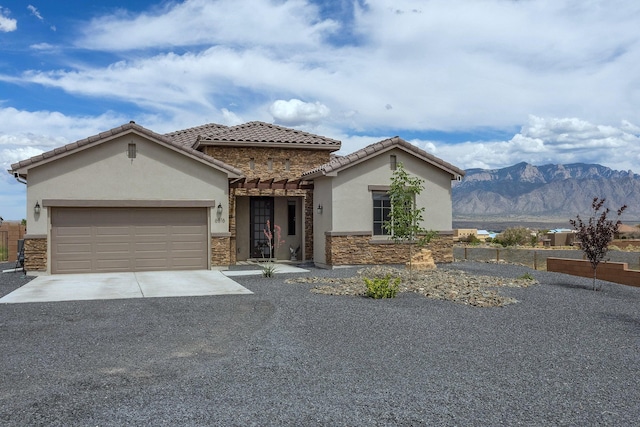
137 239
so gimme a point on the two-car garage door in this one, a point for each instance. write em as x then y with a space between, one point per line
128 239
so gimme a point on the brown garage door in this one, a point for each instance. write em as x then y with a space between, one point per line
128 239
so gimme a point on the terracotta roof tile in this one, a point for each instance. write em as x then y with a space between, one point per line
343 162
60 151
190 136
254 133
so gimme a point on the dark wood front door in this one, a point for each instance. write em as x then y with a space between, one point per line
261 212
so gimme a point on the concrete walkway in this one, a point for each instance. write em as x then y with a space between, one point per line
148 284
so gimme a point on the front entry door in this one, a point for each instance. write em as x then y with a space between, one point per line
261 212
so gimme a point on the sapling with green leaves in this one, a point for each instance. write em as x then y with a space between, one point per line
405 218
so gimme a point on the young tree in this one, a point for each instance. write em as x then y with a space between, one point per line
405 218
597 233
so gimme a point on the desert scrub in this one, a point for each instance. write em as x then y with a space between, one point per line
378 288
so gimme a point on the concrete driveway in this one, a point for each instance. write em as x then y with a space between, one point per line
148 284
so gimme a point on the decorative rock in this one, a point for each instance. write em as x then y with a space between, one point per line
423 260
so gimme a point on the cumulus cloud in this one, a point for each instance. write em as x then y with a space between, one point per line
296 112
551 141
7 24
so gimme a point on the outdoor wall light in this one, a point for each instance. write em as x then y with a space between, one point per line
219 210
36 208
1 219
319 210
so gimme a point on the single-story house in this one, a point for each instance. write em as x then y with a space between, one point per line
130 199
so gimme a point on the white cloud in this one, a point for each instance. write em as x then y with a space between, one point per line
296 112
551 141
7 24
34 11
200 22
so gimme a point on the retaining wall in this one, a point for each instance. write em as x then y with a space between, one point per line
617 272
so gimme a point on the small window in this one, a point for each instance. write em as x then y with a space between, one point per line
381 211
393 162
270 163
252 163
291 218
131 151
287 164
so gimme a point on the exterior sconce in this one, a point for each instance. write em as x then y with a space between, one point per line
1 219
219 213
36 208
319 210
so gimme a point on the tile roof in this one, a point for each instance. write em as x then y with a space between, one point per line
22 166
339 163
269 135
190 136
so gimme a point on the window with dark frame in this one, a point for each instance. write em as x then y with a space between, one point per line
291 218
131 150
381 211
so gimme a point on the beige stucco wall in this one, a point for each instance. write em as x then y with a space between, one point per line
321 222
353 202
104 172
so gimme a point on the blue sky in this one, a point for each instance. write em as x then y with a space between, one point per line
479 83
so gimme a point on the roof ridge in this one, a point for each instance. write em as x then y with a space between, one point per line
344 161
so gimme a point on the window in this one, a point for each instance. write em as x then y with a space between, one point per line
270 163
287 164
252 163
381 211
131 150
291 218
393 162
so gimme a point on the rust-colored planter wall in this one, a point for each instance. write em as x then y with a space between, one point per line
361 249
617 272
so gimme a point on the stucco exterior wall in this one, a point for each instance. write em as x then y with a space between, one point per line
352 200
104 172
321 222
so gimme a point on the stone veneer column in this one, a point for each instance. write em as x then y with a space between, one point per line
35 253
220 254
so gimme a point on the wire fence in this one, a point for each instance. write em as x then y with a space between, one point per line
536 258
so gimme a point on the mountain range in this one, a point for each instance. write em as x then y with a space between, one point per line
543 193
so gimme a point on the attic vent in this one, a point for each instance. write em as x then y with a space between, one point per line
393 162
131 152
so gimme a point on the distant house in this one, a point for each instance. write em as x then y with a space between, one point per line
130 199
559 237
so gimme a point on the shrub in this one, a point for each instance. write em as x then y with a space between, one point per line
378 288
514 236
268 270
527 276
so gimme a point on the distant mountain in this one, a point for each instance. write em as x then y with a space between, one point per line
550 191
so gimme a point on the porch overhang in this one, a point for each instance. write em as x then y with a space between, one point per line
272 184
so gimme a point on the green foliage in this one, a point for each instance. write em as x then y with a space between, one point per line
527 276
405 218
514 236
268 270
596 234
471 239
378 288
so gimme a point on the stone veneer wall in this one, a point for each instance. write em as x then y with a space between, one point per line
220 254
361 249
35 253
300 160
307 196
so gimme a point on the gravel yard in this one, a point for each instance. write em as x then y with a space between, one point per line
561 355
